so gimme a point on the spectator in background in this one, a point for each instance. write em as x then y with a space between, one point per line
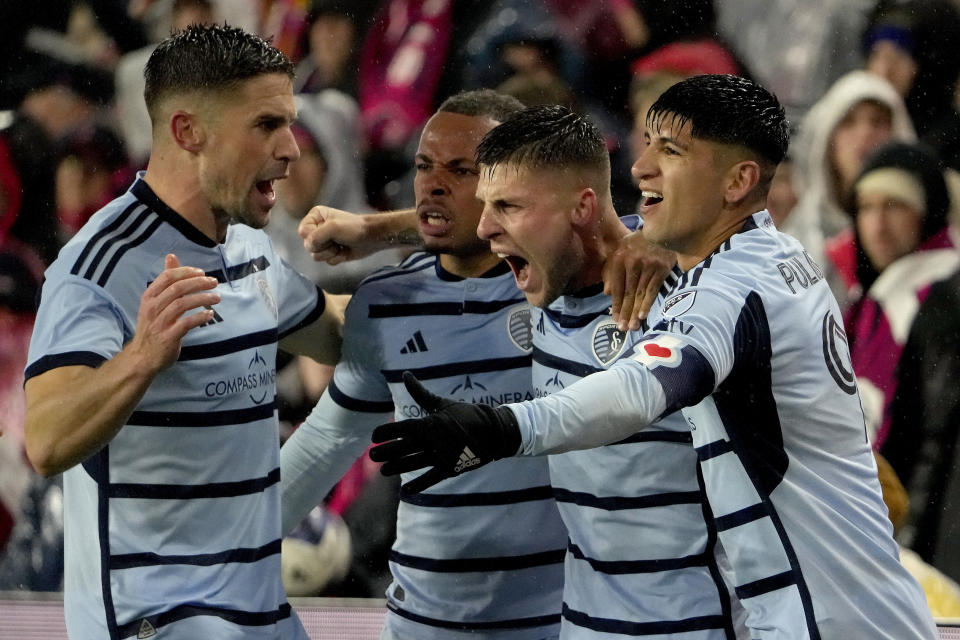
858 113
926 412
331 46
902 247
92 170
131 110
913 45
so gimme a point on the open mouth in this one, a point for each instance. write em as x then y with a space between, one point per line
433 219
265 187
519 266
650 198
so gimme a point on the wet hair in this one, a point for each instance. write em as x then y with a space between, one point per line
209 58
548 136
725 109
482 103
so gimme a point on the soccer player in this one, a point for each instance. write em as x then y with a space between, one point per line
640 557
749 346
481 555
151 384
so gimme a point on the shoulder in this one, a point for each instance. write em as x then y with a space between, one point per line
416 268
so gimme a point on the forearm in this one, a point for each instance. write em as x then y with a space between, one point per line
393 228
73 412
602 408
318 454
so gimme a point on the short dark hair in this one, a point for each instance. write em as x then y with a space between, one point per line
726 109
211 57
482 103
550 136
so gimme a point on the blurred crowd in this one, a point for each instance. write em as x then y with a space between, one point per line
870 187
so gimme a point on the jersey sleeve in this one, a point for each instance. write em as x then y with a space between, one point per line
358 383
689 351
77 324
300 301
317 455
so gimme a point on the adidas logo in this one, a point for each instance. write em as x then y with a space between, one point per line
467 460
146 630
415 344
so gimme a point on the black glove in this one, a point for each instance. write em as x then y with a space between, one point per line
456 437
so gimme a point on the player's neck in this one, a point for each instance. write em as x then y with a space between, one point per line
181 192
471 266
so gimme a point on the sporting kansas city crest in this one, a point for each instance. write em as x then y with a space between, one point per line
519 327
608 342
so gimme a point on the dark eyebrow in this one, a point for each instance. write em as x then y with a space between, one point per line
664 140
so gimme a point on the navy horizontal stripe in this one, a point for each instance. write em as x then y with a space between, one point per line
459 368
516 496
202 418
624 567
240 271
233 345
516 623
766 585
743 516
242 555
574 322
308 319
191 491
463 565
617 503
557 363
628 628
455 308
99 235
237 617
713 449
653 435
355 404
393 273
69 359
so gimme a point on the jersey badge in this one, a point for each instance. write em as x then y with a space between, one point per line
519 327
662 350
608 342
679 304
146 630
836 354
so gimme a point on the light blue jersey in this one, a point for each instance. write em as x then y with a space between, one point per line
476 556
749 345
173 529
640 556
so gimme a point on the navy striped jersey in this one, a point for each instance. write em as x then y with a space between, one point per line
173 528
749 346
639 556
481 553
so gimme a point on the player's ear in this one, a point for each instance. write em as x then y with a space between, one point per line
741 179
587 207
187 130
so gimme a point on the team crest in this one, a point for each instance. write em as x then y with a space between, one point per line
663 350
267 296
608 342
520 328
679 304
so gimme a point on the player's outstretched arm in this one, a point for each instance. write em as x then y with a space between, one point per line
632 276
334 236
455 438
73 411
